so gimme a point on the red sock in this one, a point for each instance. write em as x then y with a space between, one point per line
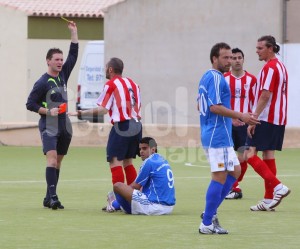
244 167
235 187
130 174
117 174
268 189
263 170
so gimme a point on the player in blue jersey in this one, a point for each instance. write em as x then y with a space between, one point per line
152 192
216 122
49 99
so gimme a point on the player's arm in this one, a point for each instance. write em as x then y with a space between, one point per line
261 105
100 110
262 102
73 29
223 111
35 99
143 176
237 122
135 185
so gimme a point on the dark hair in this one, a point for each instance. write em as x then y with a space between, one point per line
116 64
150 141
237 50
52 51
270 42
215 50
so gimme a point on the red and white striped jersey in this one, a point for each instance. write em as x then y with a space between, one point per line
121 97
274 78
242 91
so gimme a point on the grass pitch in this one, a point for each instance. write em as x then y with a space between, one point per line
85 180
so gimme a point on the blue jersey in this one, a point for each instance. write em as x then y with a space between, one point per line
157 179
215 129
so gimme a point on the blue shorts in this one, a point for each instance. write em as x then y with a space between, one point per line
239 136
267 136
56 134
123 141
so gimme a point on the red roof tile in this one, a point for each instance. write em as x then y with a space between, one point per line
68 8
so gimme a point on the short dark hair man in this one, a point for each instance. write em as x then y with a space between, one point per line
153 191
49 99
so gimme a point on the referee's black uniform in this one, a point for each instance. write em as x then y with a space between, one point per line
50 92
56 131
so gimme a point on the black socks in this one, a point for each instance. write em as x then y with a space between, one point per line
51 180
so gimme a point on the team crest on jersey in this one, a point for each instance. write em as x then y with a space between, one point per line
246 86
220 165
238 92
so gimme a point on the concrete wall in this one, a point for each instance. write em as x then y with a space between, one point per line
165 45
22 62
292 61
13 59
293 21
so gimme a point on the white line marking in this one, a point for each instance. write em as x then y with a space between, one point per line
43 181
108 179
193 165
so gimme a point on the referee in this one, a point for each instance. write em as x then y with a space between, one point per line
49 99
120 98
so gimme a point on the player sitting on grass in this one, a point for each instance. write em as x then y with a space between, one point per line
152 192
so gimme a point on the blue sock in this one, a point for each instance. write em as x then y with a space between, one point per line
123 203
116 205
213 196
230 180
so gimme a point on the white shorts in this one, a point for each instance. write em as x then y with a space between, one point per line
141 205
221 159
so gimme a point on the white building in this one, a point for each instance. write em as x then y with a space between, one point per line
28 29
165 46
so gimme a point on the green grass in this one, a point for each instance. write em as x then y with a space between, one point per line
85 180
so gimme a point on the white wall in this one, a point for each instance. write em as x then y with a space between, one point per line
165 45
22 62
291 59
13 59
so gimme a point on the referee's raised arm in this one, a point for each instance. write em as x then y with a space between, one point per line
49 98
73 28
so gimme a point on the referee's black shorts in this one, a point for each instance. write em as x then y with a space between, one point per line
267 136
123 141
56 134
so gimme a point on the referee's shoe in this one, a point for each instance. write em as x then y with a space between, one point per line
53 203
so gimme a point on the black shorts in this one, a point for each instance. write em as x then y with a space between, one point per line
239 136
267 136
123 141
56 134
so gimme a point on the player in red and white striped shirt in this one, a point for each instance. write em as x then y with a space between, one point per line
242 87
120 98
273 78
270 106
